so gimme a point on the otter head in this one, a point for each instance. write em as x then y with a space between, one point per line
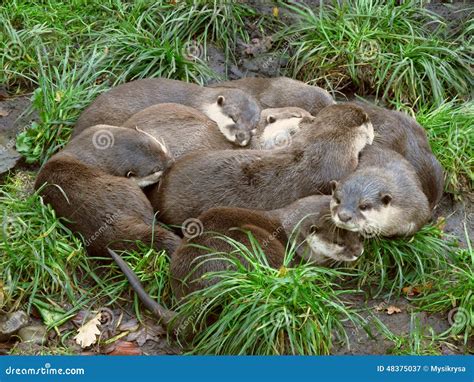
319 241
347 122
363 203
119 151
279 125
236 113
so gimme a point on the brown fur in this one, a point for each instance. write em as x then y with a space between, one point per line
383 197
305 218
263 179
283 92
120 103
401 133
182 128
270 229
87 187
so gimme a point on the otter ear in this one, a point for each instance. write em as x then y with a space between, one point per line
386 198
271 119
220 100
333 184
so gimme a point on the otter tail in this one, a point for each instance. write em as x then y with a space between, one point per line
163 314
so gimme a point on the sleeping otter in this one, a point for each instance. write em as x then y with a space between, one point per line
235 112
307 222
94 183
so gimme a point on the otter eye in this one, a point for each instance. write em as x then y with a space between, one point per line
364 207
130 174
313 229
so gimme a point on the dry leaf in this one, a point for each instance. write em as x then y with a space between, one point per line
380 307
3 112
87 333
393 309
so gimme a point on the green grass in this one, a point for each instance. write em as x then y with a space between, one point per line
38 255
72 52
453 292
389 265
421 340
261 310
378 48
64 90
69 52
450 128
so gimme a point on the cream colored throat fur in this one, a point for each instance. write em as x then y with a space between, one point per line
214 112
279 128
148 180
321 251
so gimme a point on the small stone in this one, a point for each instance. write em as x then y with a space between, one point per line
11 323
35 334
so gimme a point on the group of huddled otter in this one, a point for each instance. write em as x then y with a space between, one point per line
270 156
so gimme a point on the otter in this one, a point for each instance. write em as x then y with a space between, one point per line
326 150
401 133
277 126
282 92
303 227
383 197
183 129
95 183
235 112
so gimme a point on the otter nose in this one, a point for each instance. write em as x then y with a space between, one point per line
344 216
243 138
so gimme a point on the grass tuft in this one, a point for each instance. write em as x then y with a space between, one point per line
380 48
261 310
388 265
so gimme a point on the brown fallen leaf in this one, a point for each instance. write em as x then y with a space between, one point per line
87 333
126 348
393 309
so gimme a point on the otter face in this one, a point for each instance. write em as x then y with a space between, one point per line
237 115
123 152
323 242
340 245
359 204
279 125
